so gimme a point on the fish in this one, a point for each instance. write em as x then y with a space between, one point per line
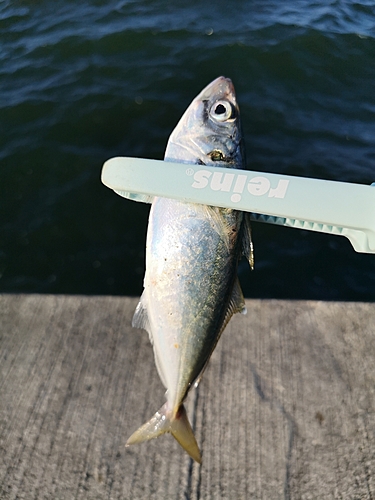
191 287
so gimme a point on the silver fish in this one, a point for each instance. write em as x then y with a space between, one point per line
191 288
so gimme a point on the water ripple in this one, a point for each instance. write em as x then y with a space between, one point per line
81 82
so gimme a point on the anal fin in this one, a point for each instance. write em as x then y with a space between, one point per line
141 320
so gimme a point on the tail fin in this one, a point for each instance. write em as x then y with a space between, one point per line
179 426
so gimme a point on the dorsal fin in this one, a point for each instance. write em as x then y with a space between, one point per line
236 304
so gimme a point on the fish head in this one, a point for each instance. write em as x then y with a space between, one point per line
209 132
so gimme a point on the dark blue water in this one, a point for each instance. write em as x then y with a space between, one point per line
83 82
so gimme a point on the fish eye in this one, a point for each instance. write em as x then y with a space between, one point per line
222 111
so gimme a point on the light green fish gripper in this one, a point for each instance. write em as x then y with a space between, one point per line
340 208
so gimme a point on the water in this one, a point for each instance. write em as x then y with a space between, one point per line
83 82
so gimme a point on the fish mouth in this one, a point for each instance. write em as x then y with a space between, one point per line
221 86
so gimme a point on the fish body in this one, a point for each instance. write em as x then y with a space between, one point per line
191 288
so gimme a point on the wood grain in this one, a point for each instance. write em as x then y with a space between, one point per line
285 410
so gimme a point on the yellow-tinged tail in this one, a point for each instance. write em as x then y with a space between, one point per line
179 426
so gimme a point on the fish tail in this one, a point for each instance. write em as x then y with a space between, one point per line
177 425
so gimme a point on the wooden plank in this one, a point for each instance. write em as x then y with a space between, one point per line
286 409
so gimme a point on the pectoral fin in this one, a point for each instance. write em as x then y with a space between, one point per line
247 242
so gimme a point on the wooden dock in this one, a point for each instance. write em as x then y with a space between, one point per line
286 409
